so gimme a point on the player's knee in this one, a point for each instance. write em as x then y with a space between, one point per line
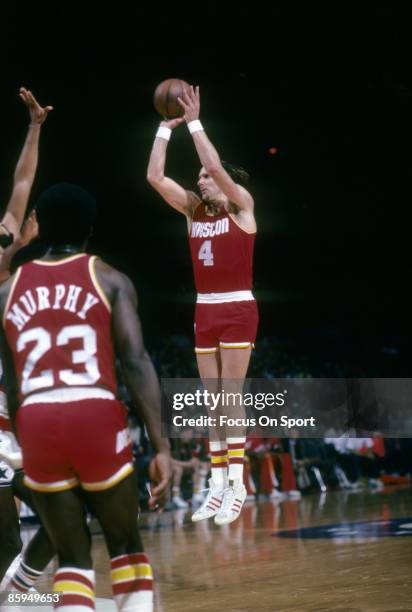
124 542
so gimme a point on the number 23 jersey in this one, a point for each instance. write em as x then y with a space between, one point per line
57 321
222 253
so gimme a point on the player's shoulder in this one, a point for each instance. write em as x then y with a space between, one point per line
102 267
111 278
244 218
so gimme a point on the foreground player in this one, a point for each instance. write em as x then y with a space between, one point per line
222 232
10 240
64 316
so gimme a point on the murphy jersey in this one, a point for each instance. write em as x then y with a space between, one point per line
222 253
57 321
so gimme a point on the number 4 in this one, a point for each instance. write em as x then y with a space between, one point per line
205 253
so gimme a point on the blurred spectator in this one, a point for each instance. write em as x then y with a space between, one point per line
190 460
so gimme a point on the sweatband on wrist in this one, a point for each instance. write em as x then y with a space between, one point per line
195 126
164 132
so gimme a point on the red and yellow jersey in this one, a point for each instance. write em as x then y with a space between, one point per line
57 321
222 253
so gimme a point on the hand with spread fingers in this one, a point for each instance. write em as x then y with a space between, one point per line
38 114
190 102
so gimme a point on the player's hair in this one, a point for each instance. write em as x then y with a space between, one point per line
65 214
237 173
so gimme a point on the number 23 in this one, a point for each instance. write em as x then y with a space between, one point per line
43 343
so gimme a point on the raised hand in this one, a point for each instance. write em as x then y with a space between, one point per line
190 102
38 114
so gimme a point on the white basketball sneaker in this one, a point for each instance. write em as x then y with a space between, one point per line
233 499
212 503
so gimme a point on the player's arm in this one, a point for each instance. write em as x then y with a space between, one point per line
137 368
208 155
26 166
182 200
9 375
29 231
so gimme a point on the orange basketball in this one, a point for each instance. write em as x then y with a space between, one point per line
165 98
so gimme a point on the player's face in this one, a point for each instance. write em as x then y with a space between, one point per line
207 186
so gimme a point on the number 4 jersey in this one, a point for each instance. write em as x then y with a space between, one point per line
222 253
58 324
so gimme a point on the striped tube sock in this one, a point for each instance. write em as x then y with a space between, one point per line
23 578
236 453
77 587
132 583
218 454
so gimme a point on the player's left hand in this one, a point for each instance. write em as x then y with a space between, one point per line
160 474
190 102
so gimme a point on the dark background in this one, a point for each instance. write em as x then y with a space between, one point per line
329 86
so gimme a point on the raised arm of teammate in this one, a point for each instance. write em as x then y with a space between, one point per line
23 178
181 199
138 371
209 157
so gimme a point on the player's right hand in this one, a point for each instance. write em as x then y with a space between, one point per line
38 114
160 472
172 123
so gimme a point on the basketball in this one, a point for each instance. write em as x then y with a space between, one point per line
165 98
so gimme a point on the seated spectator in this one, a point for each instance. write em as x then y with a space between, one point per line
312 462
189 458
358 461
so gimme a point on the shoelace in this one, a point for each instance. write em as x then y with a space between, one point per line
228 496
208 497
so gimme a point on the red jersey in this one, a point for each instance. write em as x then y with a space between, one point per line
222 253
58 325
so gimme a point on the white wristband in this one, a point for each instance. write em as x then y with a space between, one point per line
195 126
164 132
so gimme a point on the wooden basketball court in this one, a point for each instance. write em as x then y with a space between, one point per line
339 551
